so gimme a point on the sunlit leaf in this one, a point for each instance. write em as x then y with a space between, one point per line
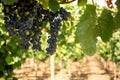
85 34
1 42
9 59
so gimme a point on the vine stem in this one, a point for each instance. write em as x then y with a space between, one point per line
67 2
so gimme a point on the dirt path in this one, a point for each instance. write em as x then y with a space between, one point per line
92 68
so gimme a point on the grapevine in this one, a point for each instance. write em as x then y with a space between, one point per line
25 19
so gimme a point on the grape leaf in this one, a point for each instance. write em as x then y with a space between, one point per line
53 5
117 20
9 59
117 16
82 2
85 34
1 42
9 2
105 25
118 5
44 3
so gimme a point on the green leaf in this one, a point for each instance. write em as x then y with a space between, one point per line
9 2
13 43
9 59
53 5
105 25
2 28
85 34
117 17
1 42
118 5
117 20
82 2
44 3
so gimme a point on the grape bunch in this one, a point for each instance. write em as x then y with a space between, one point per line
55 24
25 19
22 19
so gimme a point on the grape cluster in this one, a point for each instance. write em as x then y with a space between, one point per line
55 23
22 19
25 19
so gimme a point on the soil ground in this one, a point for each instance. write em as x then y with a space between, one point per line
92 68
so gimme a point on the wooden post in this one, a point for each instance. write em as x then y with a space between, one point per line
60 64
52 66
115 78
